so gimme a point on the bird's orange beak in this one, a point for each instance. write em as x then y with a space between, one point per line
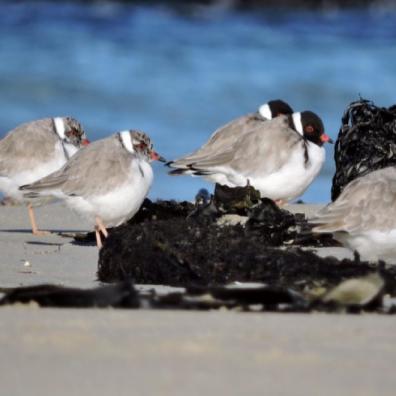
85 142
325 138
156 157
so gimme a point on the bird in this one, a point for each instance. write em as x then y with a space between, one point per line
227 134
363 217
106 182
279 158
33 150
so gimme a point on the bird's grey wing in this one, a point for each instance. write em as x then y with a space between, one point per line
266 149
209 162
259 152
95 169
366 203
221 139
27 146
55 180
226 135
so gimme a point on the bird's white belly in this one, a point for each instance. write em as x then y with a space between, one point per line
371 245
220 178
117 205
293 178
9 184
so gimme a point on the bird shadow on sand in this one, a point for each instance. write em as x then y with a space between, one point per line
16 231
82 238
44 243
62 233
79 237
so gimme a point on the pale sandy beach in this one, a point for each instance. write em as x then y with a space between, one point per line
102 352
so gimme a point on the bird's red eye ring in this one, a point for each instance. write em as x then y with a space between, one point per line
72 132
309 129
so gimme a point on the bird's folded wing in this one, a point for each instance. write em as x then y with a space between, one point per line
367 203
51 182
221 159
268 149
26 147
98 168
221 139
259 152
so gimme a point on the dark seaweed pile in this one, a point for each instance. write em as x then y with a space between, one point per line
187 254
366 142
190 248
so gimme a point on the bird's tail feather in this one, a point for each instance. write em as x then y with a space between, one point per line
189 171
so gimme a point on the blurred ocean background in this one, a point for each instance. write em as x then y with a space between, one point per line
179 73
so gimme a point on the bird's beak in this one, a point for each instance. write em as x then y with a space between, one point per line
156 157
85 142
325 138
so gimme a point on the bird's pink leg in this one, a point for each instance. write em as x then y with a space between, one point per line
98 238
32 217
99 227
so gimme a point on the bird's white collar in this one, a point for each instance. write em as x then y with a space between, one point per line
126 141
265 111
297 123
60 127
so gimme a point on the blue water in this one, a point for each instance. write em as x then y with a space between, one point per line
180 76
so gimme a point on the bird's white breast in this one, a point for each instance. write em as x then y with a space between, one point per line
293 178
